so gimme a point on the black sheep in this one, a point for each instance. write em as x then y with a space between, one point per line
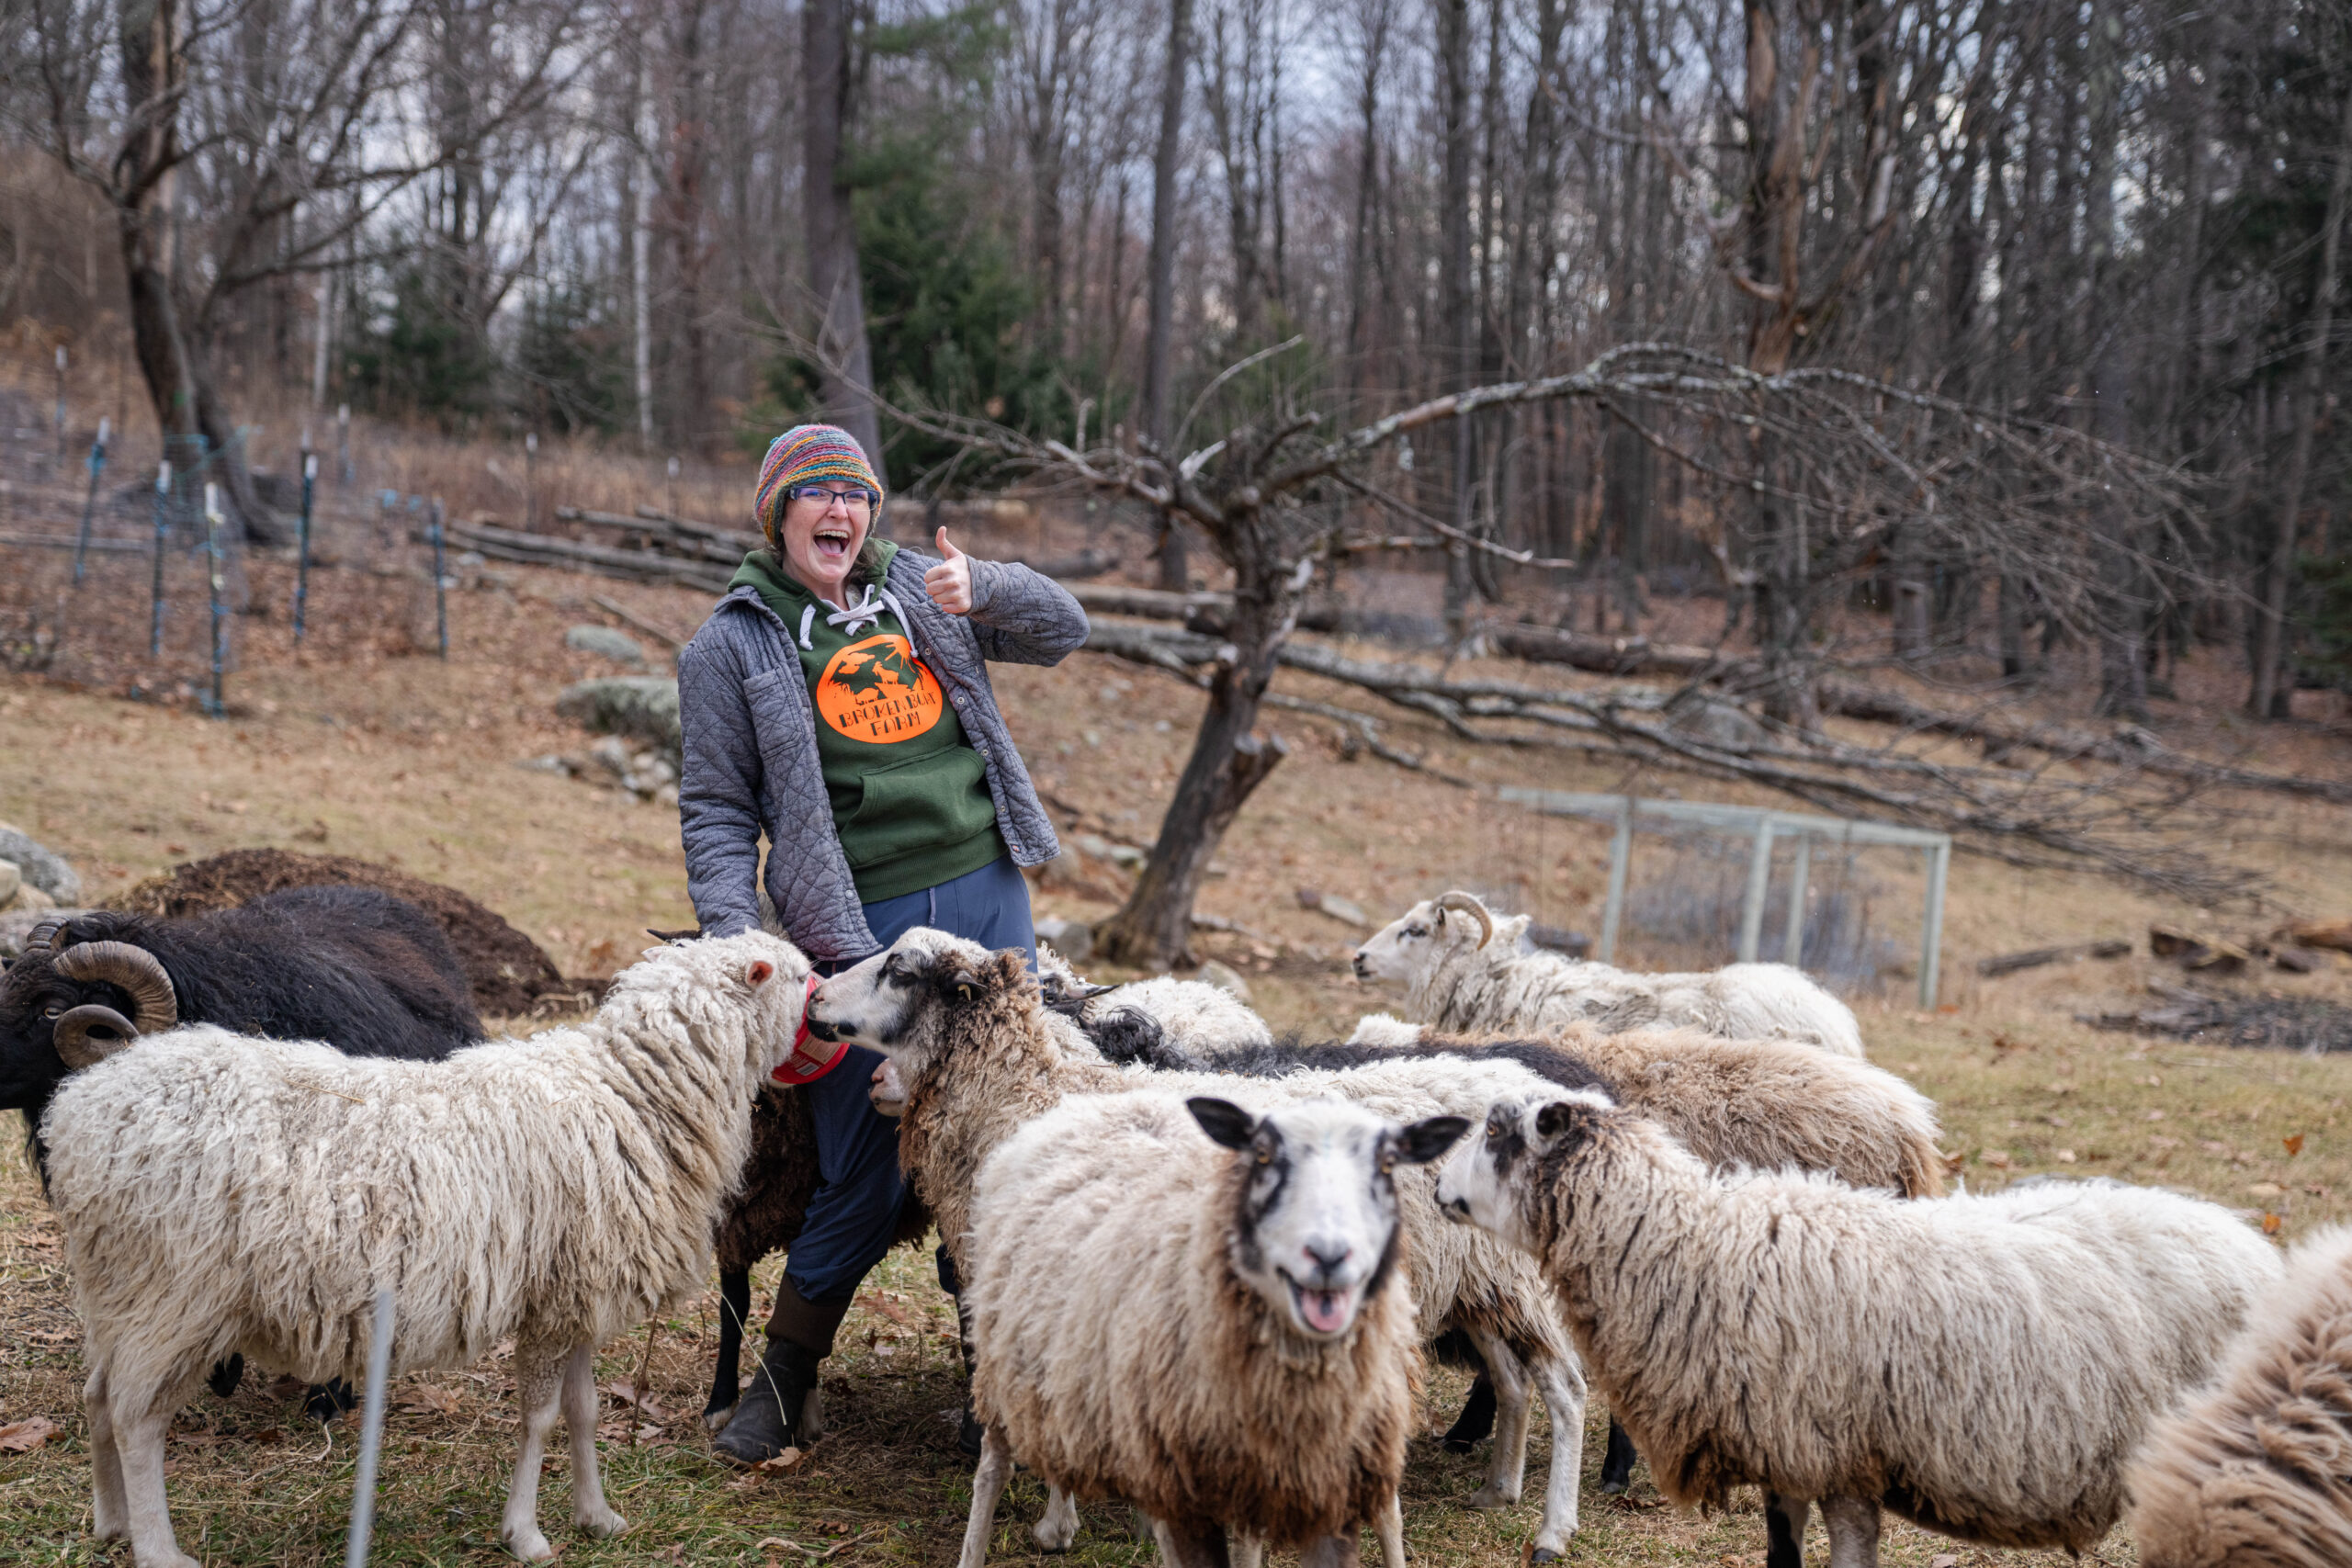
366 973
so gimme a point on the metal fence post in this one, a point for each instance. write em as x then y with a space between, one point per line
1792 940
343 444
61 401
212 521
531 482
303 565
162 528
1931 937
90 503
371 1433
1620 852
1759 878
440 582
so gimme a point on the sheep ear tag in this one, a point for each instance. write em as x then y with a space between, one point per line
809 1058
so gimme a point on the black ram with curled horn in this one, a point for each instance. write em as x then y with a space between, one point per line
365 972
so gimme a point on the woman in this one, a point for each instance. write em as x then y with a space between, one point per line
837 702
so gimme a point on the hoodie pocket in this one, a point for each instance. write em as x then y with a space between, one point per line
932 802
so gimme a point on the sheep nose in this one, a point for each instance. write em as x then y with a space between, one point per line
1363 970
1327 1255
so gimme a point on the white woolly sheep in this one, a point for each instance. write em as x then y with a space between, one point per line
1982 1366
225 1194
2255 1471
1191 1015
1755 1104
1258 1269
975 1050
1464 970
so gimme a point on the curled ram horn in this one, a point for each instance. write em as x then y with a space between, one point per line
1462 903
88 1034
44 933
134 969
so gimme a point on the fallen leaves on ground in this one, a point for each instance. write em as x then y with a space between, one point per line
23 1436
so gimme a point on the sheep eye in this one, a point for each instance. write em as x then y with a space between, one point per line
52 1012
1387 1163
963 993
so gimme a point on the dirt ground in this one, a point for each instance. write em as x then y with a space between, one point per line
361 745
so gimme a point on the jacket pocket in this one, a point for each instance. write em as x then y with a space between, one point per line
934 802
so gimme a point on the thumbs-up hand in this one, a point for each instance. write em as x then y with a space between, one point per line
950 583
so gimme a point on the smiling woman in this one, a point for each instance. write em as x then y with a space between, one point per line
841 669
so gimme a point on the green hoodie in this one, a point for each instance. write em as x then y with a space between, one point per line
909 796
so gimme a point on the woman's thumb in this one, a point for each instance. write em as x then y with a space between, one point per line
946 551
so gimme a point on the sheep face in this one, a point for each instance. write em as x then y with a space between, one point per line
1496 1180
1315 1227
890 1002
1407 949
82 995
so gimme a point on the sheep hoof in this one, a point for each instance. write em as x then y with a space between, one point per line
1542 1554
1613 1488
603 1523
1490 1497
1460 1446
528 1545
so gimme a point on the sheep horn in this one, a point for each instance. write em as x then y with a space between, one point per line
74 1032
44 933
1466 905
134 969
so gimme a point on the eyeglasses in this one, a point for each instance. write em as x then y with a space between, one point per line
857 501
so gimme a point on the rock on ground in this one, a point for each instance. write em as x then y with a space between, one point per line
606 643
43 868
642 708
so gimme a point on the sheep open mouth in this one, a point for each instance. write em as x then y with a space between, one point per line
1325 1312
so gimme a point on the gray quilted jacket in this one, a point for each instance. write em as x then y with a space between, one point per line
751 747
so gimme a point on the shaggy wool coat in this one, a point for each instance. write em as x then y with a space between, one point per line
2255 1471
1122 1356
1981 1365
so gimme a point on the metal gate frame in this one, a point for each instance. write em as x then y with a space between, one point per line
1764 825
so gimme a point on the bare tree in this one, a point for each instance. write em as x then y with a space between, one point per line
827 105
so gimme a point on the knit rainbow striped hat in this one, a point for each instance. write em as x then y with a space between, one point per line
807 452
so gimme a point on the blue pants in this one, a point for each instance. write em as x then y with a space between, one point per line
855 1215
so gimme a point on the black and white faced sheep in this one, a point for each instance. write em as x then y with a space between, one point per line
223 1193
1466 972
977 1054
2256 1470
1982 1366
1261 1376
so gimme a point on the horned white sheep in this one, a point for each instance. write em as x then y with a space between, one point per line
972 1046
1191 1015
223 1194
1262 1376
1464 970
2255 1471
1982 1366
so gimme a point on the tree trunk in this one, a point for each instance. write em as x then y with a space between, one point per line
1157 369
1460 350
2273 684
1153 930
846 360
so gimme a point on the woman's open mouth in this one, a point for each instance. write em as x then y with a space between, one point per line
831 544
1323 1312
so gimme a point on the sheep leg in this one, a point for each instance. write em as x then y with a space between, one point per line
1784 1522
536 1397
1058 1527
726 1383
988 1485
1245 1548
1617 1460
1507 1465
589 1509
1332 1551
1182 1550
138 1435
1562 1381
1391 1528
109 1512
1853 1531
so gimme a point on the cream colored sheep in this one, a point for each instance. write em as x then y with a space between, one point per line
976 1053
1191 1015
2255 1471
1982 1366
1207 1332
222 1194
1464 971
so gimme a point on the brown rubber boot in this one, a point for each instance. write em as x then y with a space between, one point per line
768 1420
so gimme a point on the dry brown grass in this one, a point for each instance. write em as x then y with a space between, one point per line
359 748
